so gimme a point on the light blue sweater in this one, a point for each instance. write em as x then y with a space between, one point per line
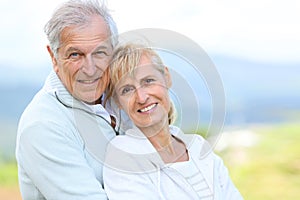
60 147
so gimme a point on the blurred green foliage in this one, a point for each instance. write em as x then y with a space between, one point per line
8 174
270 169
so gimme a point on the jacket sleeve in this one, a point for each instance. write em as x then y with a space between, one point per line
56 164
228 191
124 180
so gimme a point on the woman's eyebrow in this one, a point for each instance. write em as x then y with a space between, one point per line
146 77
122 87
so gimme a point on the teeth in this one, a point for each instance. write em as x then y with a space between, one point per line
148 108
87 81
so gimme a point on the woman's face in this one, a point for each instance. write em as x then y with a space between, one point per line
143 95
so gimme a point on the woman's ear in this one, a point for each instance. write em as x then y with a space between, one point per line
118 104
116 101
53 59
168 77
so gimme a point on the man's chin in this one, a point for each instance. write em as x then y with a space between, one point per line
89 98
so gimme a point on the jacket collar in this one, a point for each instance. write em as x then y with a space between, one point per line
136 133
197 147
145 147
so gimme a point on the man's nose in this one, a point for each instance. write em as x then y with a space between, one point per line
89 66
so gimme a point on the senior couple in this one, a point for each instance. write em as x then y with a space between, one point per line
66 146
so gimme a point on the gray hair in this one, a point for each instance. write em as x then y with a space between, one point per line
77 12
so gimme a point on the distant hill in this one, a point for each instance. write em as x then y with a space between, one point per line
12 103
260 92
15 99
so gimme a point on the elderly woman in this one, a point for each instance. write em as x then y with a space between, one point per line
155 160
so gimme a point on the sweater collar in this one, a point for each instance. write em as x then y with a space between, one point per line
55 87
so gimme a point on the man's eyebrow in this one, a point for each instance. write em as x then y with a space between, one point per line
75 49
102 47
72 49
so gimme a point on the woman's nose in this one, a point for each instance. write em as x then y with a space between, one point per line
141 95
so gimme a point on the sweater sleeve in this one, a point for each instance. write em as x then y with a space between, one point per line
55 164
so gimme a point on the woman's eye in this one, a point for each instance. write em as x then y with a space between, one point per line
126 90
149 80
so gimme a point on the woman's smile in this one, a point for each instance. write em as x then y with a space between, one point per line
148 108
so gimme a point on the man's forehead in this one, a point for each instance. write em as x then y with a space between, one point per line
93 34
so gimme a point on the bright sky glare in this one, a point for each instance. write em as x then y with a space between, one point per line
263 30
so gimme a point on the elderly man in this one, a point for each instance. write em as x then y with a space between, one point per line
62 134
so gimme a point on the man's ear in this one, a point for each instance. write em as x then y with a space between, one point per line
168 77
53 59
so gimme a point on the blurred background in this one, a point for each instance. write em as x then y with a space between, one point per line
254 45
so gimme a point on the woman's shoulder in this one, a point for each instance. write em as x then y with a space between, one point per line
195 143
188 138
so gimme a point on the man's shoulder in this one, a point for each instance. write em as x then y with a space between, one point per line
131 144
42 108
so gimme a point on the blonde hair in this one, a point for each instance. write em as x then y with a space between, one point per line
125 60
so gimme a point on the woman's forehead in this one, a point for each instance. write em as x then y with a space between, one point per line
139 73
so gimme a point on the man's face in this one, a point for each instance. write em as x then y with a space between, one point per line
83 58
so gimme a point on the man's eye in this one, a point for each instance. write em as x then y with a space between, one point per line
74 55
102 53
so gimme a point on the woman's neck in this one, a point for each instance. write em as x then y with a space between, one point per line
162 140
170 148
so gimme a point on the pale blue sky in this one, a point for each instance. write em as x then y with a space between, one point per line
263 30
